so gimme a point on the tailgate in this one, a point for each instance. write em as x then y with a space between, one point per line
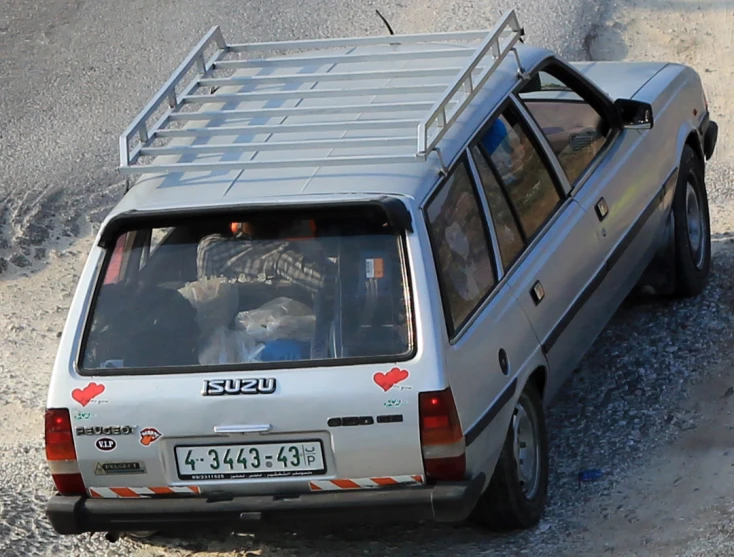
248 433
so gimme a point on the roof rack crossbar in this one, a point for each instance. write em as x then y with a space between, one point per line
457 36
391 56
340 143
312 94
300 111
349 125
466 82
276 163
323 77
463 84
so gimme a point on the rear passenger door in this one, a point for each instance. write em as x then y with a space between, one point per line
489 341
550 248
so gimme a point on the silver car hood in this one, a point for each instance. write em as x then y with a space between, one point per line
619 79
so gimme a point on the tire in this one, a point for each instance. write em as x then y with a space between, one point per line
507 504
692 227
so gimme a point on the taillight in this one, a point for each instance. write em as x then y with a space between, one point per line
442 441
61 454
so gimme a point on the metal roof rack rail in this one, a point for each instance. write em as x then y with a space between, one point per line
454 86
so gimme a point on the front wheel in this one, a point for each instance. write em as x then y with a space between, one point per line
692 227
517 493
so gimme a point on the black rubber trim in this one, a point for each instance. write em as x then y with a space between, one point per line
710 138
613 259
476 430
705 121
443 502
397 214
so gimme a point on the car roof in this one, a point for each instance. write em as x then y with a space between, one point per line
311 181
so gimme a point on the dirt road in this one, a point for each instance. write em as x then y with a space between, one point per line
651 406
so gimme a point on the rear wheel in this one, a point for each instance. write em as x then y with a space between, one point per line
518 490
692 227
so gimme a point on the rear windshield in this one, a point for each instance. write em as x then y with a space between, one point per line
254 290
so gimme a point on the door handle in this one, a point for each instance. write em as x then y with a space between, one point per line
537 292
243 428
602 209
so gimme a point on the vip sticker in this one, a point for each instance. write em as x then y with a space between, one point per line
149 435
87 394
387 381
106 444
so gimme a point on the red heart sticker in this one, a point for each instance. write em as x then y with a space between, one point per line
388 380
84 396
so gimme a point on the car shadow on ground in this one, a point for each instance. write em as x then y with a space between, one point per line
404 538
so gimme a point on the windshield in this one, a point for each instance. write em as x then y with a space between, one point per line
249 290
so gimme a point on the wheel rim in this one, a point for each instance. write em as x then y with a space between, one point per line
142 534
526 448
694 224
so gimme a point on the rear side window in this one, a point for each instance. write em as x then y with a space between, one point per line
460 246
252 290
524 173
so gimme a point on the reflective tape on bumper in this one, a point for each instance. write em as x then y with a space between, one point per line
134 492
365 483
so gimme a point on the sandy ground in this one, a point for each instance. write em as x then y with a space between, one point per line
674 498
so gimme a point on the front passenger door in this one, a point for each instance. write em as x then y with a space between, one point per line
610 177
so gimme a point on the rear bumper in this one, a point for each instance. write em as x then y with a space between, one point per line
445 502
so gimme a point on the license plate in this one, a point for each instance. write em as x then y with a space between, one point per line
261 460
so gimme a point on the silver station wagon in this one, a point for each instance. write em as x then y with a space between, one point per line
348 276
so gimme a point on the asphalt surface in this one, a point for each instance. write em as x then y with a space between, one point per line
76 73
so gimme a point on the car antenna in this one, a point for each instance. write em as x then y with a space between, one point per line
385 22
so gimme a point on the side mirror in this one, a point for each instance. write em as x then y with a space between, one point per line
634 115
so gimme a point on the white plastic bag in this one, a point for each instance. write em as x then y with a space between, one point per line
225 346
281 318
215 300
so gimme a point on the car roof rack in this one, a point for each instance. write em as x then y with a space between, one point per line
453 93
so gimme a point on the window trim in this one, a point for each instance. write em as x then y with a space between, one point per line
589 93
528 127
484 202
501 270
543 145
455 332
97 282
